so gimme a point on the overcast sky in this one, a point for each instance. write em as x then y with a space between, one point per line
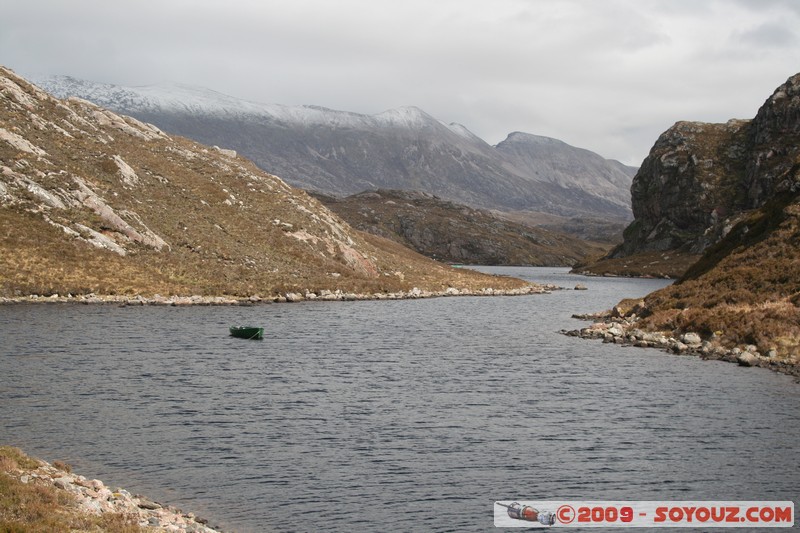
606 75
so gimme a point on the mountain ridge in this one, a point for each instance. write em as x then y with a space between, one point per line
344 153
456 233
96 203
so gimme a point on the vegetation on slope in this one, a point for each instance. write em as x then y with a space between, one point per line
456 233
33 507
93 202
746 289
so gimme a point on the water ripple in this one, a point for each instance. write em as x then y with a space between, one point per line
422 411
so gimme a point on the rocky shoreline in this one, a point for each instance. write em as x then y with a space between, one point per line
624 331
95 498
324 295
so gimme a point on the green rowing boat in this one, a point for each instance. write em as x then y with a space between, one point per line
246 332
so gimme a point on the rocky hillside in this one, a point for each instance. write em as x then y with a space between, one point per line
342 153
741 300
94 202
456 233
700 179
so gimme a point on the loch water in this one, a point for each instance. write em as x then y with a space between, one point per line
412 415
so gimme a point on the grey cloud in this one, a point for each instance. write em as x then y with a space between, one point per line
600 75
761 6
767 35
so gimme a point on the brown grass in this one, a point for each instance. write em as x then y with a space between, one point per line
671 264
228 225
36 508
746 290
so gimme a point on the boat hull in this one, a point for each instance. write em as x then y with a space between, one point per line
250 333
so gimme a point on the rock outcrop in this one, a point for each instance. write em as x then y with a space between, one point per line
773 145
93 497
700 178
690 182
625 331
733 192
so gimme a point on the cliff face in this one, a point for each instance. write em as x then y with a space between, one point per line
732 191
687 184
774 144
699 178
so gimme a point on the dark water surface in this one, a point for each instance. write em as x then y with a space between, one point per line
410 415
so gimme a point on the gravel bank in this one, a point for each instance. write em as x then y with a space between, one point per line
323 295
94 497
624 331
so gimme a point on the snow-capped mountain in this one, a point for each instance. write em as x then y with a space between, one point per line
342 153
190 100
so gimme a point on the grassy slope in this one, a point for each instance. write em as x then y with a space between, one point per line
746 289
231 228
670 264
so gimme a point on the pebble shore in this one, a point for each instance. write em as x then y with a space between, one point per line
624 331
324 295
94 497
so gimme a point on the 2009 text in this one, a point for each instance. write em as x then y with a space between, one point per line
605 514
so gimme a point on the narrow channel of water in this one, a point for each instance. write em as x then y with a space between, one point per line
411 415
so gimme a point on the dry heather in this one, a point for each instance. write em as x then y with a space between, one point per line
746 289
671 264
457 233
37 507
92 202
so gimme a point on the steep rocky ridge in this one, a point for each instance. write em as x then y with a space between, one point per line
690 182
456 233
774 144
341 153
700 179
741 300
95 202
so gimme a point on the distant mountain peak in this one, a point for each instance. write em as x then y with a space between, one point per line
342 152
530 138
407 116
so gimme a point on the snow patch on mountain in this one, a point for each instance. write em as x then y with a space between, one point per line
150 98
341 152
187 99
462 131
406 116
531 139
